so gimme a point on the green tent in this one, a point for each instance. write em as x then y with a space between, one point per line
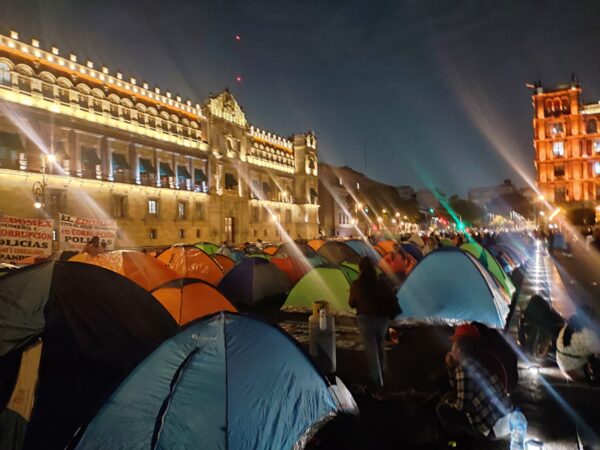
489 262
208 247
350 270
321 283
445 242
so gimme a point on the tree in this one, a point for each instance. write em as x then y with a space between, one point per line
513 201
467 210
582 216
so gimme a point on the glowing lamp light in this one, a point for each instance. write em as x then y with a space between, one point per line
534 444
541 197
534 371
397 214
37 204
51 158
542 213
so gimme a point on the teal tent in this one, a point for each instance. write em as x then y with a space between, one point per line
451 286
224 382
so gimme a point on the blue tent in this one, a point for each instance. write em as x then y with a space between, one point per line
225 381
412 250
255 283
364 248
451 286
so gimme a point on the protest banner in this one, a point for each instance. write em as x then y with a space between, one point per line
75 232
22 237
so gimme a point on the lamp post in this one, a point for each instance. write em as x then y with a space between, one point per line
39 188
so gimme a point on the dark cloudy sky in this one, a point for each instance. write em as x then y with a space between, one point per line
432 91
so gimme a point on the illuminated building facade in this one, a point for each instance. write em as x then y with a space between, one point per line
567 146
166 169
351 204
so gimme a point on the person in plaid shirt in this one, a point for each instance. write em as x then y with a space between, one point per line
478 403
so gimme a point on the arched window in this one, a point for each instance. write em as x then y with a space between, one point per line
591 126
548 107
597 168
4 73
565 105
556 107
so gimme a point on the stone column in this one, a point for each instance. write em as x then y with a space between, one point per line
134 163
105 159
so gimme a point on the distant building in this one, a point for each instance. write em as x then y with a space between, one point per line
406 192
350 202
481 196
426 199
567 145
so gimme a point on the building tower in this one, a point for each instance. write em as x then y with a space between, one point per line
567 146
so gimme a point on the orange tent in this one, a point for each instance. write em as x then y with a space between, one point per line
387 246
138 267
191 262
316 244
270 249
187 299
81 257
224 261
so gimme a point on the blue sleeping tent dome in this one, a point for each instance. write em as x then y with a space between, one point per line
451 286
224 381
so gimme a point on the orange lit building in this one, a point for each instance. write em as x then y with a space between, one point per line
567 146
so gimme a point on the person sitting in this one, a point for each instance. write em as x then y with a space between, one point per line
93 247
477 403
539 326
577 344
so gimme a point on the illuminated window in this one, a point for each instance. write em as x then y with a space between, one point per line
357 186
340 181
152 234
4 73
558 148
181 210
591 126
153 207
597 168
596 146
557 128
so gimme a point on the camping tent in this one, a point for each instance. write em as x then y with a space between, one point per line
316 244
363 248
191 262
450 285
412 250
270 249
95 326
321 283
225 381
187 299
255 283
337 252
225 262
296 259
208 247
387 246
489 262
142 269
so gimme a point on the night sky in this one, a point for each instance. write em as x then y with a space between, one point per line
432 91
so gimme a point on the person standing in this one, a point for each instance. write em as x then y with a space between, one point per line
375 304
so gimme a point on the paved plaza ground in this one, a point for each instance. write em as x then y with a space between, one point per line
562 414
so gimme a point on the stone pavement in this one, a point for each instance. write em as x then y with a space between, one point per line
560 413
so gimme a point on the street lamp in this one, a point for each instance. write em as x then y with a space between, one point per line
39 188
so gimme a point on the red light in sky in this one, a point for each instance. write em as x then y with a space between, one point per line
237 37
238 79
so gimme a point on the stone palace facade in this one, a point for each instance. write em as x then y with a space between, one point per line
166 169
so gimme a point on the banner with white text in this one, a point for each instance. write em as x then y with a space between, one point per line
22 237
75 232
